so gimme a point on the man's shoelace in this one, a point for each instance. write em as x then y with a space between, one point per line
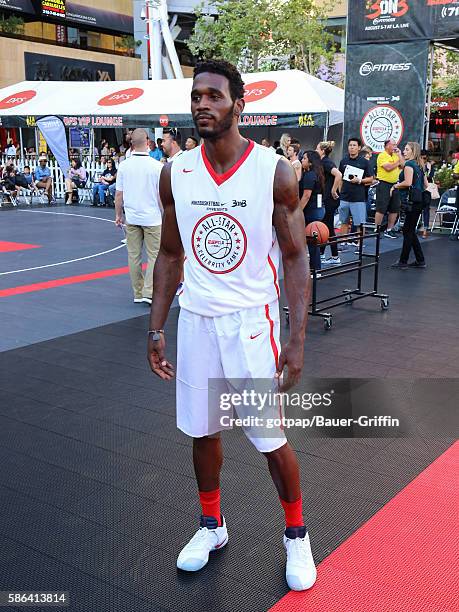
200 536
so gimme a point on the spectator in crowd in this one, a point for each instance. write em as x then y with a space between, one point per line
311 192
128 141
10 150
410 186
331 198
159 143
137 190
75 180
292 155
265 143
388 165
9 180
191 143
43 177
352 186
104 148
107 182
429 169
154 151
24 180
172 144
284 142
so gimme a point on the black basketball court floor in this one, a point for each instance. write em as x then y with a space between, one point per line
97 491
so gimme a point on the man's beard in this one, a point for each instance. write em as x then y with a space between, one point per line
224 125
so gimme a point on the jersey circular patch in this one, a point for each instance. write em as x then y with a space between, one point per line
379 124
219 243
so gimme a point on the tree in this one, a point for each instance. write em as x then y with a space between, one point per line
12 25
128 44
265 34
299 27
445 74
241 32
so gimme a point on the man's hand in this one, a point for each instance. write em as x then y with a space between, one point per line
291 356
156 358
356 180
334 194
119 220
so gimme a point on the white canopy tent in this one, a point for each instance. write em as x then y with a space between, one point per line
288 98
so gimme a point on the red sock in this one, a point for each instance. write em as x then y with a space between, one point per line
210 504
293 512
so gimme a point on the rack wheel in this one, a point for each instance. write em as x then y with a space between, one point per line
328 323
348 299
287 318
384 303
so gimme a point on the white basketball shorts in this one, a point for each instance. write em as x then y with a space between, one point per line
240 345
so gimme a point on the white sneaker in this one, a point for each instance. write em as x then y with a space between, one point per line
195 555
333 261
138 300
146 300
300 571
323 257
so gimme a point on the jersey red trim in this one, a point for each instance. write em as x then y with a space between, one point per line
273 268
271 336
221 178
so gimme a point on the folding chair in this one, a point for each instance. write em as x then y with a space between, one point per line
8 197
85 192
447 205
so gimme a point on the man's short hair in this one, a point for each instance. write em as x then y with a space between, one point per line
195 140
354 139
236 84
386 142
175 135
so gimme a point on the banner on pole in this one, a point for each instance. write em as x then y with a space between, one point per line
53 130
398 20
386 92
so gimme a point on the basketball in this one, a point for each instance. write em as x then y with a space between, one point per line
318 232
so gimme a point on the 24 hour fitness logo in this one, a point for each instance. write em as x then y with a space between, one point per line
368 68
379 124
121 97
18 98
219 243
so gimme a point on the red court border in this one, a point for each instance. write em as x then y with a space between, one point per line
404 559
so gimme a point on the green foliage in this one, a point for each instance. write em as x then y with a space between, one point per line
128 44
265 34
449 90
12 25
444 177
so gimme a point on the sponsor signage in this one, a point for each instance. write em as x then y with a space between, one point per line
398 20
94 121
18 98
53 8
39 67
121 97
386 100
258 90
79 138
22 6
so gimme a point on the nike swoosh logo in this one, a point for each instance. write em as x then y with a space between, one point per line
252 337
186 171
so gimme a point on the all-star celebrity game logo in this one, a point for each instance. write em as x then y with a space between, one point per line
219 243
381 123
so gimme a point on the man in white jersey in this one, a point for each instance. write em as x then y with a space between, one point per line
231 207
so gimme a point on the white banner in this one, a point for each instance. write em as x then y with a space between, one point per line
53 131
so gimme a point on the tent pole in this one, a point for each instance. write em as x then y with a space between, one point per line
429 98
326 126
37 152
21 144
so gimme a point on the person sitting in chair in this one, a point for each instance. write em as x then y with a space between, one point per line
107 182
75 180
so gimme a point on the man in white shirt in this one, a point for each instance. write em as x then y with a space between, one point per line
137 190
172 141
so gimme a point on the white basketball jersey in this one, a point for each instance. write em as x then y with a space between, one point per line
225 223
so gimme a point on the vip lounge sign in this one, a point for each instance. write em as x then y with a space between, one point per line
386 99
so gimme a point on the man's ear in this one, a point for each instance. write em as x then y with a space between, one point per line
239 106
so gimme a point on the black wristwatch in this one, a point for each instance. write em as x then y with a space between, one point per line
155 334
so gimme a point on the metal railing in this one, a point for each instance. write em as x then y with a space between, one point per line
92 168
